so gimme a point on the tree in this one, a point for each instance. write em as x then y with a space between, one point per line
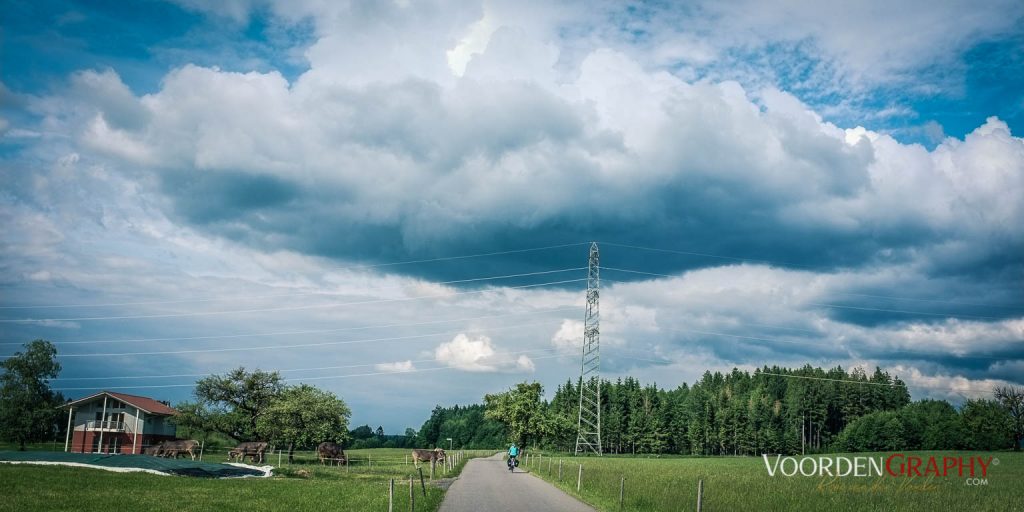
379 431
362 432
303 416
986 425
238 399
28 407
1012 399
520 410
193 418
931 425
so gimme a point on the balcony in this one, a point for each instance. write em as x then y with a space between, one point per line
107 426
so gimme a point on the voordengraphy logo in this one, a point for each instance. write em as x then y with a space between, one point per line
895 465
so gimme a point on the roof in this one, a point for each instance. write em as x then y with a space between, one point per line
146 404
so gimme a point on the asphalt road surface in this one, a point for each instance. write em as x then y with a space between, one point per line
486 484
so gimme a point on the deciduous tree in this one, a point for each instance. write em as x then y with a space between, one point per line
304 416
520 410
28 407
1012 399
238 399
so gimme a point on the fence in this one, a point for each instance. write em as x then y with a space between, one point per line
554 471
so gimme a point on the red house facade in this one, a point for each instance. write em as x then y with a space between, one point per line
109 422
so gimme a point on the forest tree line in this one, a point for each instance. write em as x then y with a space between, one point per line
772 410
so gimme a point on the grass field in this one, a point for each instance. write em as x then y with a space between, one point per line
742 483
302 486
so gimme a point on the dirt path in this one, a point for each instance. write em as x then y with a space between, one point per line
486 484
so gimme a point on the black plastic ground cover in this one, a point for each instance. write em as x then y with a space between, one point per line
184 467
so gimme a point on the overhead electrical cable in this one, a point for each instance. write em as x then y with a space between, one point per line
279 295
838 306
319 368
297 379
288 308
299 345
307 331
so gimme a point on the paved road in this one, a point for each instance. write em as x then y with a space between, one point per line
486 484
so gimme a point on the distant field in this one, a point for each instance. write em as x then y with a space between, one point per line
363 486
742 483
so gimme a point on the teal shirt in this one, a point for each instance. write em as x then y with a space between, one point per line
513 451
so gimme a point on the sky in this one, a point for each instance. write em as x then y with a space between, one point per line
394 201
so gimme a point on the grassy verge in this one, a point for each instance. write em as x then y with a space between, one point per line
743 483
304 485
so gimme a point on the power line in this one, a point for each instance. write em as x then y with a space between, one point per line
297 379
254 297
302 345
320 368
838 306
820 345
903 311
689 253
309 331
954 302
851 381
449 258
286 308
758 371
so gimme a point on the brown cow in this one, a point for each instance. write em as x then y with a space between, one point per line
175 448
154 450
434 456
331 453
254 450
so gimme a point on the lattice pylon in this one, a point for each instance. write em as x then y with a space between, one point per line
588 437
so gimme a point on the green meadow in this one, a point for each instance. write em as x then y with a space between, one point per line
742 483
304 485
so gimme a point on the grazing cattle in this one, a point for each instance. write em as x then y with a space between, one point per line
175 448
254 450
434 456
331 453
154 450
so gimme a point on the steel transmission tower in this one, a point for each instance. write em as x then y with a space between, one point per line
589 436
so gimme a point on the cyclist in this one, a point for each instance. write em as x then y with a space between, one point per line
513 454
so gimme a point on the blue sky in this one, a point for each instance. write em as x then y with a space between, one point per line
393 200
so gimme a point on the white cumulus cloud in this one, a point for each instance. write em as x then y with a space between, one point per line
478 354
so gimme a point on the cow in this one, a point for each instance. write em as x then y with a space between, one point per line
175 448
331 453
434 456
154 450
253 449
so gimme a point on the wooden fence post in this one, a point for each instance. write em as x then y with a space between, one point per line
559 470
346 465
391 495
549 466
700 494
279 457
433 463
412 497
201 446
579 478
422 485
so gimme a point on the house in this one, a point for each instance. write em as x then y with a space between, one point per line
109 422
